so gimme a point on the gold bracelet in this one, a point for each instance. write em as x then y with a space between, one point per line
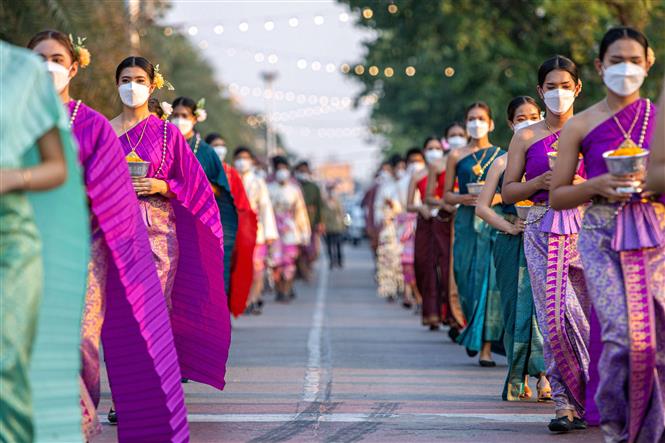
26 175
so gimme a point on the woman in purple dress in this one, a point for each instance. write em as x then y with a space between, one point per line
179 211
621 242
123 294
550 241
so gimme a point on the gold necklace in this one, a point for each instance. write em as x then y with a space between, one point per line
133 148
554 145
628 139
479 169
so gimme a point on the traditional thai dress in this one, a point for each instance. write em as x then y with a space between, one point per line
292 224
521 337
558 285
406 230
266 230
623 250
242 267
44 246
124 302
185 234
473 264
388 257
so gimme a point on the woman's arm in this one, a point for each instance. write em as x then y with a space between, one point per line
563 193
483 205
656 173
449 195
49 174
514 189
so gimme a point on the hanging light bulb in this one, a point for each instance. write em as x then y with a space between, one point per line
373 71
269 25
410 71
293 22
392 8
219 29
388 72
368 13
359 69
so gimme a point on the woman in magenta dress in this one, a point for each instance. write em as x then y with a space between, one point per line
122 282
622 241
550 247
179 211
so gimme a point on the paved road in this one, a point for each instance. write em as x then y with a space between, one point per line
340 365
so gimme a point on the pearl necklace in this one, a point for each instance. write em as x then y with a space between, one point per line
74 113
628 138
164 145
197 143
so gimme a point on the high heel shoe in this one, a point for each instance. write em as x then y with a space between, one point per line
526 393
544 393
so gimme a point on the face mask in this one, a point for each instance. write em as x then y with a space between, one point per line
282 175
133 94
457 141
559 101
260 173
524 124
60 75
221 152
184 124
624 78
302 176
477 128
243 165
433 155
385 175
415 167
400 173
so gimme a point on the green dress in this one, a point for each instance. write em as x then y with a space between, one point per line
44 242
473 265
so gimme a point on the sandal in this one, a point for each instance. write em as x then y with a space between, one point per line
526 393
561 425
545 393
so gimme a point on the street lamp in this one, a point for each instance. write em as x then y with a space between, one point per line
271 135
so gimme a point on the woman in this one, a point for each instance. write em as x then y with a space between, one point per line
119 240
242 266
622 242
183 221
44 241
550 246
656 176
521 337
474 239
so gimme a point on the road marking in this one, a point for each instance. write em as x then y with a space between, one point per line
312 386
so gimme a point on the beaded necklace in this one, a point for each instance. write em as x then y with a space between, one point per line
628 138
479 168
554 145
74 113
197 143
164 146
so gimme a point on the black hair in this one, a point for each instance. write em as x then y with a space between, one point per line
302 163
619 33
517 102
213 136
451 126
395 159
60 37
481 105
554 63
138 62
155 107
186 102
429 139
279 160
413 151
240 149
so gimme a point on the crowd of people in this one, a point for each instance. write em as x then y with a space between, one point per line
136 234
550 252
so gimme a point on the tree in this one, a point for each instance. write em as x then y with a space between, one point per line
492 49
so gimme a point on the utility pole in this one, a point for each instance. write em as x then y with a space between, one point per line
134 10
271 135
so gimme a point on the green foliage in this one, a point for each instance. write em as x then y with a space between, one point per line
495 48
105 25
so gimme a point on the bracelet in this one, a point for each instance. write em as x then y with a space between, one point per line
26 176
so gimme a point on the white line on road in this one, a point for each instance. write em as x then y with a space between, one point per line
313 373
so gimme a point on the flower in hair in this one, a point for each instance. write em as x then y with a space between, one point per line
82 53
167 109
160 82
200 113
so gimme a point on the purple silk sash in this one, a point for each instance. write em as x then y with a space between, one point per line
637 229
555 289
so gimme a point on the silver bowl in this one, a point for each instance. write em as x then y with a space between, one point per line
138 169
628 165
523 211
475 188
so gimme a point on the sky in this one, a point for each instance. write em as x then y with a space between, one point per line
305 43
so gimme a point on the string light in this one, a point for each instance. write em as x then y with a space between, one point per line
449 71
293 22
388 72
269 25
193 30
318 20
243 27
203 44
302 63
392 8
373 71
168 31
343 17
316 66
259 57
345 68
219 29
368 13
272 59
410 71
359 69
330 67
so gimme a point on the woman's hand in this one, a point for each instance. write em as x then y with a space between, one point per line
468 199
149 186
544 180
517 227
605 185
425 212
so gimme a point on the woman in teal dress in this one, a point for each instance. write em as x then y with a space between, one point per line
522 338
43 254
474 239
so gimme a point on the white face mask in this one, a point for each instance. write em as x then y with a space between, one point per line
243 165
433 155
185 125
524 124
282 175
624 78
400 173
559 101
477 128
385 176
457 141
260 173
302 176
60 75
415 167
133 94
221 152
